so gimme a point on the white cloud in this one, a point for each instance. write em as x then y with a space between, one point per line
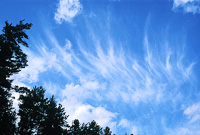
68 44
188 6
124 123
66 61
51 88
168 65
142 95
188 130
86 88
190 127
134 80
86 113
134 130
78 91
67 10
193 112
36 65
73 97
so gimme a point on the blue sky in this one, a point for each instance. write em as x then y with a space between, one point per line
131 65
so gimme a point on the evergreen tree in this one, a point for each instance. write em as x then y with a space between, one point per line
12 59
32 109
91 128
75 128
55 119
94 128
84 128
107 131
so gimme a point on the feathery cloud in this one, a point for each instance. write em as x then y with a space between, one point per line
107 74
193 112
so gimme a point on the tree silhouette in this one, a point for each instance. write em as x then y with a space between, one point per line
11 61
107 131
75 128
32 109
84 129
91 128
94 128
55 119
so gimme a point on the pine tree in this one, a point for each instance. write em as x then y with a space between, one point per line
94 128
32 109
75 128
84 128
107 131
12 60
55 119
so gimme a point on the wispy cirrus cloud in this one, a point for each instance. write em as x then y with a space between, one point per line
185 130
189 126
108 74
67 10
188 6
124 123
193 112
143 81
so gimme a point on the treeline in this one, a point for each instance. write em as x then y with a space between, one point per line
37 114
44 116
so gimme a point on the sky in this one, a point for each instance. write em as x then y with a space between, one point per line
128 64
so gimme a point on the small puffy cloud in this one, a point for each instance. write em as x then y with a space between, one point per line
188 6
67 10
73 97
86 113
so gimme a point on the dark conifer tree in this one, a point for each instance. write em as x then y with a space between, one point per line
75 128
107 131
12 60
55 119
84 128
94 128
32 109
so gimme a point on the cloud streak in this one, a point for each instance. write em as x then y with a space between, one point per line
193 112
